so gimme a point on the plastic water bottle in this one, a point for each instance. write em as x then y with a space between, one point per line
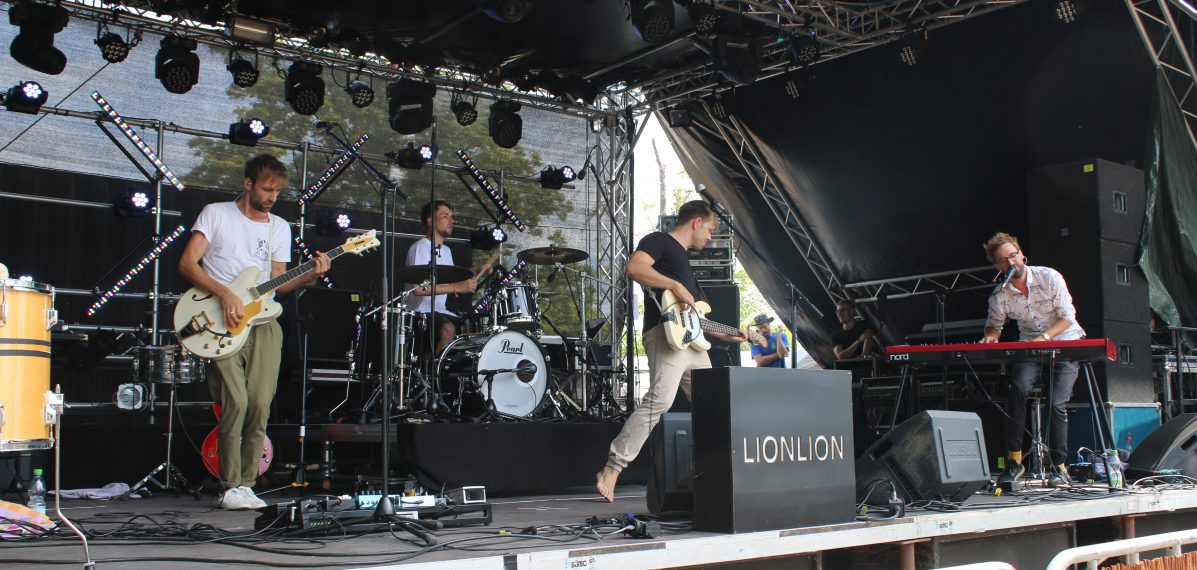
37 492
1115 470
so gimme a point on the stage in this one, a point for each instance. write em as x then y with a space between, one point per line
1025 529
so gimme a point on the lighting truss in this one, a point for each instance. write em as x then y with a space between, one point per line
1166 29
495 197
307 253
137 141
144 262
334 170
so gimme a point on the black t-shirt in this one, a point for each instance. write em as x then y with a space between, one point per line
671 259
844 338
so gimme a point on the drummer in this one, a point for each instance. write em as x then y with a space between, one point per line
437 227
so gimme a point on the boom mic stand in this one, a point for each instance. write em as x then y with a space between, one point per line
583 336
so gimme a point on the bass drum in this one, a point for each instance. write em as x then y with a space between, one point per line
518 365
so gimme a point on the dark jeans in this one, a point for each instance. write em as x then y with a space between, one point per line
1022 378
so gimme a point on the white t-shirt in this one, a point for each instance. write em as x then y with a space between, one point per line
236 242
419 254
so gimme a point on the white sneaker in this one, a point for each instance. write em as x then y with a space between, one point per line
252 498
235 499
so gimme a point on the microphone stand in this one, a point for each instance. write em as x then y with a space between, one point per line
794 293
583 336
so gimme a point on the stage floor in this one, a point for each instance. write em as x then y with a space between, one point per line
185 533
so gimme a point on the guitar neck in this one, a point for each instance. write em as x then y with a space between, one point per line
295 273
712 326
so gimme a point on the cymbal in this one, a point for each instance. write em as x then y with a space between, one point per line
444 274
551 255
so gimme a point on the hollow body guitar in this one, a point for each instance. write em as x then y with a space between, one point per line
685 329
199 320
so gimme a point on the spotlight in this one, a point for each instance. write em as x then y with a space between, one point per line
506 11
793 88
805 48
247 133
113 48
554 178
1069 11
522 79
131 396
413 157
25 97
33 46
505 125
704 19
361 93
409 104
176 65
577 90
737 58
245 74
718 109
332 223
653 19
912 48
135 203
465 111
548 80
492 75
678 117
354 41
487 236
304 88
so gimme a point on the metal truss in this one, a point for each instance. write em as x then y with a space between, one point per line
612 215
912 285
1169 46
841 29
732 131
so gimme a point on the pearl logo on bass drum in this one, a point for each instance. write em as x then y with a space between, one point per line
507 348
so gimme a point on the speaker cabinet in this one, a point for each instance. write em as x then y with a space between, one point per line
935 455
671 451
1173 446
1128 379
1083 201
725 308
1103 277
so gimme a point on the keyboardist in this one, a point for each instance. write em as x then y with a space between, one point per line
1037 298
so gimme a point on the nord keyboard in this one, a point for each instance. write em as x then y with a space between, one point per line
1085 349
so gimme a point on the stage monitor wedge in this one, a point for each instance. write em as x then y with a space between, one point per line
935 455
1172 447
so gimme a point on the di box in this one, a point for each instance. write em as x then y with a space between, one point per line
772 449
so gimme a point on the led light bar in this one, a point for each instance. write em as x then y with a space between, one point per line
495 197
133 271
307 254
483 306
137 140
332 171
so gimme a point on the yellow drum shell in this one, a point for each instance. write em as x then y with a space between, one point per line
26 315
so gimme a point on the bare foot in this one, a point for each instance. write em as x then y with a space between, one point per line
606 483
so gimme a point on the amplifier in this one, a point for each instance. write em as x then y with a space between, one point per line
669 222
713 252
720 273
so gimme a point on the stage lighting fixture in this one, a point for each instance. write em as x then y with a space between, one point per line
523 79
737 58
548 80
804 50
718 109
135 203
248 133
409 104
575 89
465 111
131 397
912 48
354 41
1069 11
332 223
252 30
26 97
304 88
113 48
413 157
678 117
176 65
653 19
554 178
704 18
487 236
33 46
245 74
506 127
492 75
506 11
361 93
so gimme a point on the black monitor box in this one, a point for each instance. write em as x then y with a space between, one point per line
935 455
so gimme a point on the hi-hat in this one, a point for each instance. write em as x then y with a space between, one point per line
551 255
444 274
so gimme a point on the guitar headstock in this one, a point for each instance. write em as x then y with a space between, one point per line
361 243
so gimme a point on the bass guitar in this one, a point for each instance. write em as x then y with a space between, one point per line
199 322
684 329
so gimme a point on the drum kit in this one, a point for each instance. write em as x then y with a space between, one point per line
496 367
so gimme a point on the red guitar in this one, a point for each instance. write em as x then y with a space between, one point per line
210 453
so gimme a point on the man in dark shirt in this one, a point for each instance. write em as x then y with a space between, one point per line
854 338
661 263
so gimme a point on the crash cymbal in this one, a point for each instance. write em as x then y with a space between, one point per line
551 255
444 274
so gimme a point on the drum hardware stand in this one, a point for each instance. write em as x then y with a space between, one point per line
173 479
54 405
492 413
16 485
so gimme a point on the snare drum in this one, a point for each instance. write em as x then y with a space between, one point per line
168 364
517 306
463 370
26 316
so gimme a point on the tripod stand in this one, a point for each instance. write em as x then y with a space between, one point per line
173 479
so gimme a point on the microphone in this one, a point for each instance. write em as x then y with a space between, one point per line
326 124
527 368
585 165
706 195
553 274
1009 275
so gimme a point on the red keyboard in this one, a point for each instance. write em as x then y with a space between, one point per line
1085 349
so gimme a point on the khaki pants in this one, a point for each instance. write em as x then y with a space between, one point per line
668 369
244 385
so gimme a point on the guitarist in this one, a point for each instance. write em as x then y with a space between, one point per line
227 238
661 263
